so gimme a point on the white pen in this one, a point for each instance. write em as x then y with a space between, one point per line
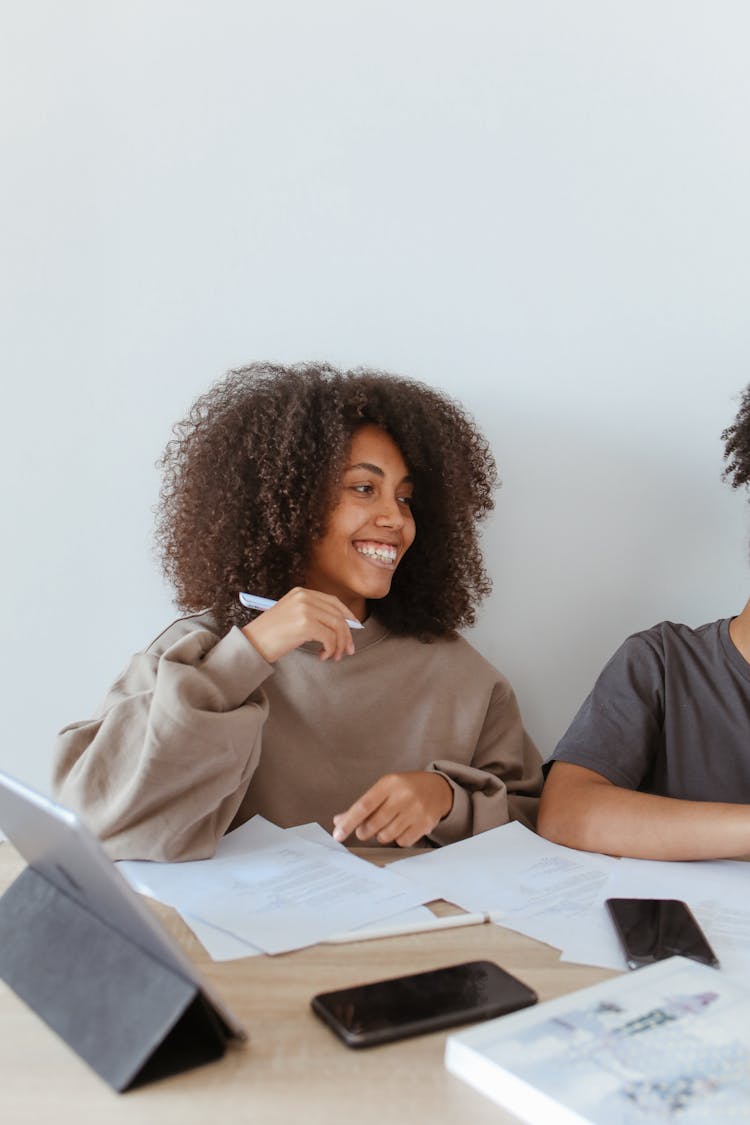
255 601
439 922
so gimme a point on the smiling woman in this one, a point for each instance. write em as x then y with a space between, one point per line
339 495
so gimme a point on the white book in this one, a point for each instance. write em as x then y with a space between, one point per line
668 1043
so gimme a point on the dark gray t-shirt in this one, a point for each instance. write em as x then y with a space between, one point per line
669 714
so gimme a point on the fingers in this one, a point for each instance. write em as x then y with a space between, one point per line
300 616
399 808
403 831
322 618
332 633
355 818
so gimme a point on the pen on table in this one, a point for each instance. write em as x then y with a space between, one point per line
254 601
443 922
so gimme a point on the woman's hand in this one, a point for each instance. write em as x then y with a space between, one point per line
300 616
400 808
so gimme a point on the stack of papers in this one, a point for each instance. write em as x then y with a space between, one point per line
271 890
557 894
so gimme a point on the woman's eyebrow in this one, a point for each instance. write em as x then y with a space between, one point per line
408 479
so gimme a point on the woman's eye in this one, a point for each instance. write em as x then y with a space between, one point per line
363 489
406 501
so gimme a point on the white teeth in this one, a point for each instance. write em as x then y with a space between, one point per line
383 554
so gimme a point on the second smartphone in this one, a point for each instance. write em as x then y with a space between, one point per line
651 929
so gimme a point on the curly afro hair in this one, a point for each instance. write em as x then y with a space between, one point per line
737 445
251 473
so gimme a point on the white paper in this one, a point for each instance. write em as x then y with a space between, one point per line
550 893
224 946
219 944
416 916
277 890
591 940
512 870
317 835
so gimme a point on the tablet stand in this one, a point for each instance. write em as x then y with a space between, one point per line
130 1017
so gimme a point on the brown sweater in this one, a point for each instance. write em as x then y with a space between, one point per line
200 733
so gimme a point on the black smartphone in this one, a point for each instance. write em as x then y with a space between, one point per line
385 1010
651 929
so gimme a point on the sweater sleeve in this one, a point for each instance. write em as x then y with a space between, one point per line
503 781
162 769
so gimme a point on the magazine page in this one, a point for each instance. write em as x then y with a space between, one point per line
668 1042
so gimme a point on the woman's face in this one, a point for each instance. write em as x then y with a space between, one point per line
370 527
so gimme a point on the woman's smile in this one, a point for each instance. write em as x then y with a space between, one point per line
382 554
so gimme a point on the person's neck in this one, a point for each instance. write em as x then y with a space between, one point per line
739 631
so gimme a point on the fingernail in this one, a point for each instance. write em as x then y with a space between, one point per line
338 834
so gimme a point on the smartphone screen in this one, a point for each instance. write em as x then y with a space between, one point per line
393 1009
651 929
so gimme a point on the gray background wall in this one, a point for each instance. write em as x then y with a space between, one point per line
539 206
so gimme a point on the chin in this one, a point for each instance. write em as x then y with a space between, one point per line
377 594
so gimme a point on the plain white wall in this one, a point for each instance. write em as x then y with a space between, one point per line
539 206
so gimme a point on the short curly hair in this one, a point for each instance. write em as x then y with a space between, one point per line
737 444
251 473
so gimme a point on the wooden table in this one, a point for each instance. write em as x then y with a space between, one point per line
292 1069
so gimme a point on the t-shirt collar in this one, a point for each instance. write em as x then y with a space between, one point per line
733 654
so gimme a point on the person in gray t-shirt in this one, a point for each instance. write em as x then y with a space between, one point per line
656 764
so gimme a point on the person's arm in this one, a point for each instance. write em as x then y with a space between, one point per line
581 809
161 771
451 799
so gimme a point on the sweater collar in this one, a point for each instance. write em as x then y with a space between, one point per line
370 634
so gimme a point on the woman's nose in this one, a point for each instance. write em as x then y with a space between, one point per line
390 513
